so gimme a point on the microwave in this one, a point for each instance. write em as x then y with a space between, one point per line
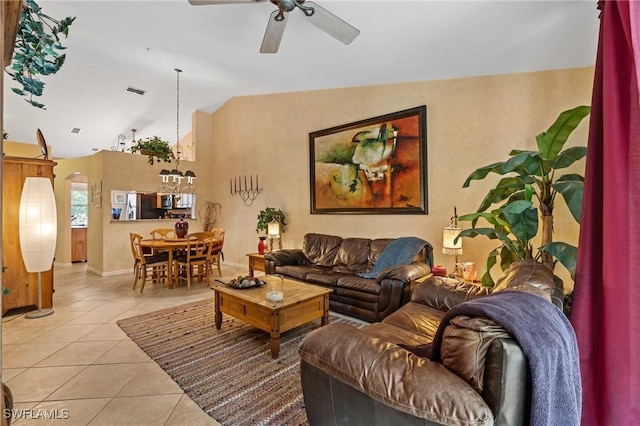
165 201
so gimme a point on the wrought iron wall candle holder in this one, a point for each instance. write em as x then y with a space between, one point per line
247 192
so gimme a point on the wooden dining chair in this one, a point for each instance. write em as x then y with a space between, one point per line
217 237
216 249
195 261
155 264
163 233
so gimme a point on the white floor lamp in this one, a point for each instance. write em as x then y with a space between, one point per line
38 231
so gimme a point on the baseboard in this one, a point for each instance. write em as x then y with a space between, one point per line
112 273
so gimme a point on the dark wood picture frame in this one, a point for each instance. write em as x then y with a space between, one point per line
373 166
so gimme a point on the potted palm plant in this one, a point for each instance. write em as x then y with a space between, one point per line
532 177
156 148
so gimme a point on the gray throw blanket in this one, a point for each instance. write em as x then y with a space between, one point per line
400 251
549 343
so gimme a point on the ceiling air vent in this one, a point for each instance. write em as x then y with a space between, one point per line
75 130
134 90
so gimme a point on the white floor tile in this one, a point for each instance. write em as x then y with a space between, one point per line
79 362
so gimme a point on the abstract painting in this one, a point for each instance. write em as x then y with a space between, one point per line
377 165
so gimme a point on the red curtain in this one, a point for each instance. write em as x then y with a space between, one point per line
606 303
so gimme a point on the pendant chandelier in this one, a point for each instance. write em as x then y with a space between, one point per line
172 180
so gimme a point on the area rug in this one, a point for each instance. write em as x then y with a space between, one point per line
229 372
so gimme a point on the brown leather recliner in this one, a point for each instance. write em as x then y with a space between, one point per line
335 262
376 375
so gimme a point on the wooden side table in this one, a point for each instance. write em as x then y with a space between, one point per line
256 263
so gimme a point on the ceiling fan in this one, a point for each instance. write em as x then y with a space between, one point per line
318 16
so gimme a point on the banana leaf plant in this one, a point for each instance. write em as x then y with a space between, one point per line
531 178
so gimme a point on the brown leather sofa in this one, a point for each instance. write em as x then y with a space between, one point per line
334 262
376 375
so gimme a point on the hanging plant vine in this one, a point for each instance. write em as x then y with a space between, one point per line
37 50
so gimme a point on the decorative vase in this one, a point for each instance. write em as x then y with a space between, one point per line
439 270
115 213
182 228
262 245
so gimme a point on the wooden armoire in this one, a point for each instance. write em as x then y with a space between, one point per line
22 285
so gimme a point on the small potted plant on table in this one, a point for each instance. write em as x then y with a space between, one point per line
265 217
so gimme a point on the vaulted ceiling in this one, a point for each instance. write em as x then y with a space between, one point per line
116 44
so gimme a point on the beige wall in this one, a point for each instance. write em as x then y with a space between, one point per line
21 149
108 248
66 171
471 122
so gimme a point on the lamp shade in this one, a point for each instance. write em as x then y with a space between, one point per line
449 235
37 224
164 175
191 176
273 229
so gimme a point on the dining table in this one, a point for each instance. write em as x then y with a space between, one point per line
171 245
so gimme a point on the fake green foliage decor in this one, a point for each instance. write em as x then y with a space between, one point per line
156 148
531 179
268 215
5 290
37 50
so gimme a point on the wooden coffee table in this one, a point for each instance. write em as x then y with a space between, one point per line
302 304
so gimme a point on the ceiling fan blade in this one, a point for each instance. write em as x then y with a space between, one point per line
274 32
331 24
206 2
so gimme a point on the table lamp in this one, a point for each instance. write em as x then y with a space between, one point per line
273 230
449 245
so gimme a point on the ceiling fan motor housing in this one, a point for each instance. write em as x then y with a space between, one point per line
286 5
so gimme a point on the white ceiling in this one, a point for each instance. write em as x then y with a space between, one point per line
115 44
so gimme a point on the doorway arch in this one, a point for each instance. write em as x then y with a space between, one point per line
68 240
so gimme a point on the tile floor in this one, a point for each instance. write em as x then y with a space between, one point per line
79 366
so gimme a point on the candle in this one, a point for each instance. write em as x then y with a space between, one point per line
245 183
235 185
275 296
251 176
257 186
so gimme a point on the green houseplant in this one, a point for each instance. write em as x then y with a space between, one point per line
37 50
531 179
268 215
156 148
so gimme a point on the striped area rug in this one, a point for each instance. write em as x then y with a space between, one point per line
229 372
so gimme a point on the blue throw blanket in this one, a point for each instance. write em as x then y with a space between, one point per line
400 251
549 343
